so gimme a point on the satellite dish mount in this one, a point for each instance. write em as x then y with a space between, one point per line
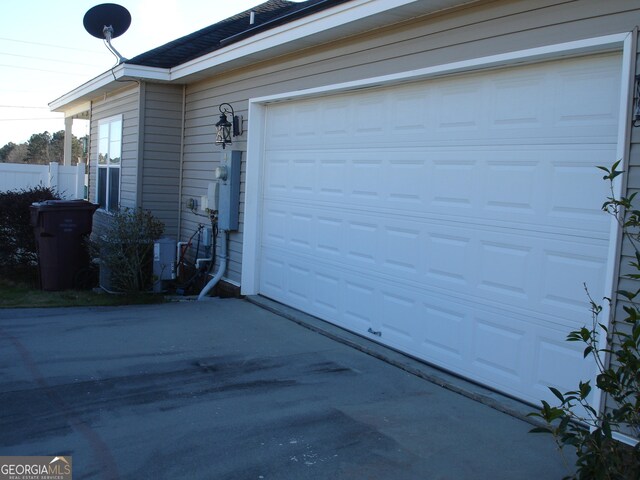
108 21
108 35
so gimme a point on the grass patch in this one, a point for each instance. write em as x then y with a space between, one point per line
19 289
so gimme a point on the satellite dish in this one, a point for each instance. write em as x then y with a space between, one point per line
107 21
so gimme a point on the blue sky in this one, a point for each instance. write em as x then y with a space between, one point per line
45 51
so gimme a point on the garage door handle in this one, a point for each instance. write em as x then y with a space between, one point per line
373 332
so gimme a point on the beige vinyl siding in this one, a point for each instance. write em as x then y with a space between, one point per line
484 28
150 171
126 103
161 135
201 157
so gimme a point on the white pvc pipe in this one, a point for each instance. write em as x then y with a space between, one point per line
221 268
200 261
179 256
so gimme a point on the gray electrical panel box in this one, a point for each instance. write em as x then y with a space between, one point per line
228 178
164 262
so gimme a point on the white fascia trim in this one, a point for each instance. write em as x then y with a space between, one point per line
257 118
121 72
92 85
145 73
290 32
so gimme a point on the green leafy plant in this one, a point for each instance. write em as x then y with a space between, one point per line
125 249
615 349
17 240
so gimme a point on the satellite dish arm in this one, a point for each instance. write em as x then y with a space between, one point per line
108 33
107 21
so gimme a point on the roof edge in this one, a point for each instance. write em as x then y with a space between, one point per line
288 33
107 82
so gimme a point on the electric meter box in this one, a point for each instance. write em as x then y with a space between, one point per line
228 177
164 262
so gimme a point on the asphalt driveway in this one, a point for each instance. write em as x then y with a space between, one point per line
224 389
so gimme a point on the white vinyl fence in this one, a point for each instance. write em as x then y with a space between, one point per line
68 180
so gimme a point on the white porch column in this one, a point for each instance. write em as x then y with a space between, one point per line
68 123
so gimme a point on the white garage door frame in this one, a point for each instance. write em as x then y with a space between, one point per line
623 42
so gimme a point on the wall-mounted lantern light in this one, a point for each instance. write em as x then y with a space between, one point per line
224 128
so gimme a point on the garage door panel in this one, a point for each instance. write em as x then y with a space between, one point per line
498 350
326 285
561 268
571 109
575 193
541 104
361 302
299 226
275 220
447 256
454 219
460 107
410 112
328 235
429 324
273 274
445 333
322 289
542 272
402 248
511 186
505 268
515 103
558 364
332 175
276 177
531 187
400 317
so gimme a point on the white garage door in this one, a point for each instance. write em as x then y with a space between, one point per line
454 219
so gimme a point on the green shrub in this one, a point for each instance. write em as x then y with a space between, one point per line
575 423
125 250
17 240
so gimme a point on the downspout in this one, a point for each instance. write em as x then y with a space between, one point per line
140 181
181 175
88 171
222 267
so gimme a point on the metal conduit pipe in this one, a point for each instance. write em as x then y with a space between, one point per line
221 268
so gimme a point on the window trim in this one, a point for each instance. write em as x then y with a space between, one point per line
108 167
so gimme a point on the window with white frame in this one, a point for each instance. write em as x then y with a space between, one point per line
109 159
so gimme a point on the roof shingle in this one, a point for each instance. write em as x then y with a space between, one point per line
267 15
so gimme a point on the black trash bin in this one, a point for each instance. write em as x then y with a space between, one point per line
60 227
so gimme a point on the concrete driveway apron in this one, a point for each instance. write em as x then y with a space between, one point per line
224 389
